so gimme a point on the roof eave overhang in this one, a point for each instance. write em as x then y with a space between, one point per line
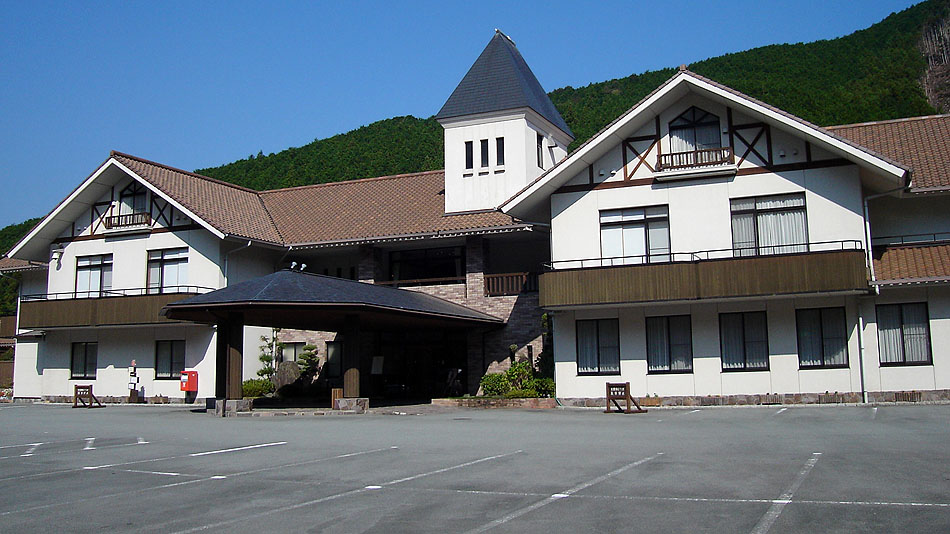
439 234
522 112
680 84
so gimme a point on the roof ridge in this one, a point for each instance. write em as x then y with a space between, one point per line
890 121
176 169
357 180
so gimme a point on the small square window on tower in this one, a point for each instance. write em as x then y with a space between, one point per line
484 145
469 154
499 151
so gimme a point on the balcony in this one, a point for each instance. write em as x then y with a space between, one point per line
695 163
124 307
838 266
128 221
500 285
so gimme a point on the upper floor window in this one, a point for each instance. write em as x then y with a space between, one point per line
822 337
93 275
769 225
484 146
443 265
540 151
167 270
132 199
903 333
635 235
598 346
499 151
669 344
694 129
469 154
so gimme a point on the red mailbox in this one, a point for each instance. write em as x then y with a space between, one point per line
189 380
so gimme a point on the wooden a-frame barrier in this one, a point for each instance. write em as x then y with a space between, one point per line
620 391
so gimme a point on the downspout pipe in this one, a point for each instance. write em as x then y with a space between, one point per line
867 231
227 262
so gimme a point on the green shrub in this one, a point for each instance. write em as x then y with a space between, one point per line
257 387
495 384
544 387
521 394
520 374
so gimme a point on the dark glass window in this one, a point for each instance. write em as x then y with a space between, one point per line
744 340
334 365
499 151
442 265
598 347
469 154
83 360
540 151
822 338
484 147
903 334
669 344
169 358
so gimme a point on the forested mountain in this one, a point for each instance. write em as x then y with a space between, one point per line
871 74
9 235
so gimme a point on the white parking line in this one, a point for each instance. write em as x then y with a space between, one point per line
341 495
89 442
874 413
16 446
780 411
29 452
694 411
779 504
562 495
239 448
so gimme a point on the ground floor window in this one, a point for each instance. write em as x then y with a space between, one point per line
83 361
598 346
822 338
169 359
291 351
903 333
334 365
669 344
744 340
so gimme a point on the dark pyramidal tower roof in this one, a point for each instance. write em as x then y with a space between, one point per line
499 80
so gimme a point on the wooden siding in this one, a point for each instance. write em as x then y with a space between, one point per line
131 310
734 277
8 326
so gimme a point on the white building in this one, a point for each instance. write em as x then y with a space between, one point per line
707 244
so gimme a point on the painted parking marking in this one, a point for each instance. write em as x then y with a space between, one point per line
336 496
141 441
874 413
693 411
562 495
89 442
29 452
234 449
162 473
780 411
177 484
18 446
59 450
765 523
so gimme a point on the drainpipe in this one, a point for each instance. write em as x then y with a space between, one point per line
867 231
864 389
227 262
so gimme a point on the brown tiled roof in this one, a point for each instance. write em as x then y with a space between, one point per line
907 264
921 143
398 205
15 265
230 208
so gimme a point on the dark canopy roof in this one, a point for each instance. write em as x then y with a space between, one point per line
292 299
500 80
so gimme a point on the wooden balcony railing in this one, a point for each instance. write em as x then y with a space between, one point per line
422 282
133 307
706 157
497 285
113 222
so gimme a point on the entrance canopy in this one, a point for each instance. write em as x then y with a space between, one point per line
293 299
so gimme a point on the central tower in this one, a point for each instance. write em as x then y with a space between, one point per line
501 130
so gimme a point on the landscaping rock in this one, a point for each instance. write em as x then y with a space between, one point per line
287 373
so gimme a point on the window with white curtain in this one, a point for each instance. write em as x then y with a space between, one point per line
669 344
769 225
822 338
93 275
169 359
635 235
694 129
167 270
903 333
744 341
598 346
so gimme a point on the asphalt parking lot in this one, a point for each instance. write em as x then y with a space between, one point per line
755 470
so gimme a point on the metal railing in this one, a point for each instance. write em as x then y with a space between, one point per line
105 293
704 255
498 285
706 157
909 239
112 222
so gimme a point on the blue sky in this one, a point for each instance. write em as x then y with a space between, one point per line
198 84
